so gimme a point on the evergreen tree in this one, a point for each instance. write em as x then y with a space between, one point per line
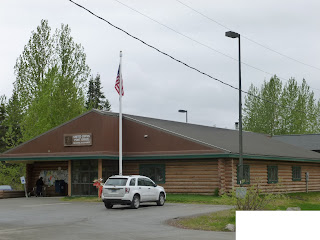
10 136
12 122
2 125
95 96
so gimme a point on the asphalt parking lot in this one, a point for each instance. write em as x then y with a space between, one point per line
50 218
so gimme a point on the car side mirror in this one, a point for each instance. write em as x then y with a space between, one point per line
155 185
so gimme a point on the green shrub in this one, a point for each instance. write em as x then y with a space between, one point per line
254 199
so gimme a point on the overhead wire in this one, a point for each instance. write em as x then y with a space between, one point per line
249 39
205 45
179 61
198 42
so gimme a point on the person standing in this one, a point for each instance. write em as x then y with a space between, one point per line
39 185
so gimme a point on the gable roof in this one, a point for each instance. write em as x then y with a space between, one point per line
255 146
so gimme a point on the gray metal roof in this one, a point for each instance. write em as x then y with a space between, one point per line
226 139
307 141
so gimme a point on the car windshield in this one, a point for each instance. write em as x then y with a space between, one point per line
117 181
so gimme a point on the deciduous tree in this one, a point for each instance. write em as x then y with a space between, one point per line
51 74
278 109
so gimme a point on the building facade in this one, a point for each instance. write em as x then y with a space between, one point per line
184 158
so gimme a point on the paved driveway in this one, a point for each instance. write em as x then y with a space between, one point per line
50 218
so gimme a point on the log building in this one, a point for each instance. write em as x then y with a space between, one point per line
182 157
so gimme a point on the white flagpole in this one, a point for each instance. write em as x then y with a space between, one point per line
120 117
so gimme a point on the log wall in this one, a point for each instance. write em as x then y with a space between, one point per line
231 178
11 194
259 175
202 176
184 176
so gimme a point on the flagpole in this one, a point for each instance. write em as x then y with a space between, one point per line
120 117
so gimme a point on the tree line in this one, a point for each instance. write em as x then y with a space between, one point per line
280 109
53 85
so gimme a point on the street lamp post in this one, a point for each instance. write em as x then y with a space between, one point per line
184 111
231 34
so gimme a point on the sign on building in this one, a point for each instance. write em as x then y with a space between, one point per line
77 140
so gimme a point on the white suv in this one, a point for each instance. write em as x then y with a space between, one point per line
132 190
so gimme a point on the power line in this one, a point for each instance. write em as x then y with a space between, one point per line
138 39
179 61
198 42
249 39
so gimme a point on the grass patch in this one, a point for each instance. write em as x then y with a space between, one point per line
217 221
198 199
306 201
211 222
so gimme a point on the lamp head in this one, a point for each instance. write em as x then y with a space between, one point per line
231 34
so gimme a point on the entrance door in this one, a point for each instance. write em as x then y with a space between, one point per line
84 172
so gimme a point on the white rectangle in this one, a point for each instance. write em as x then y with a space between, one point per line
23 180
266 225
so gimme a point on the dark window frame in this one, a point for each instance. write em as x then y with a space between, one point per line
273 174
246 174
154 168
296 173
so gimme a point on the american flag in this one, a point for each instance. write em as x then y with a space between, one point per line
117 85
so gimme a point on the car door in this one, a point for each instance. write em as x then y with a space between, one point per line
143 190
151 190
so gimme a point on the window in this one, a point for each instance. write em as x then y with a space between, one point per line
148 183
246 174
154 171
296 173
133 182
145 182
272 174
141 182
109 168
116 182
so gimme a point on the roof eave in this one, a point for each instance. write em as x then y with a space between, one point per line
159 157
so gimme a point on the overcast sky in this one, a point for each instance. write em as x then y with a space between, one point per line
156 86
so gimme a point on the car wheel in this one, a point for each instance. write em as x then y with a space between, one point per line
161 200
108 205
135 202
